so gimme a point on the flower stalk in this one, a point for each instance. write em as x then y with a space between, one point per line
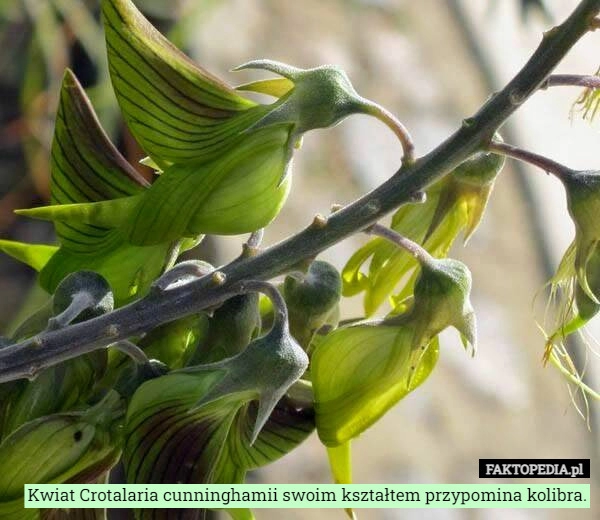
546 164
419 253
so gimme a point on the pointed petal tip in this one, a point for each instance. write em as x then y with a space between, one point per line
266 405
277 67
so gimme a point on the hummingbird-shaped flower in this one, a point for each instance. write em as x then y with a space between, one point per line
224 160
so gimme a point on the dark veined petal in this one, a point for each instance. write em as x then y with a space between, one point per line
235 194
61 448
89 173
177 111
290 423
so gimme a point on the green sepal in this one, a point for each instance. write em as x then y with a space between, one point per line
263 371
442 299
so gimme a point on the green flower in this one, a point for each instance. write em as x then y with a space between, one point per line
455 203
360 372
578 275
212 423
73 447
223 159
87 168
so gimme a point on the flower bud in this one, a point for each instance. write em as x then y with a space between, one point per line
230 329
312 299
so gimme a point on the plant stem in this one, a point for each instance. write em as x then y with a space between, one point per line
396 126
419 253
572 80
546 164
52 347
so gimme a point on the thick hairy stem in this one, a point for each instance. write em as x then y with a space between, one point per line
476 132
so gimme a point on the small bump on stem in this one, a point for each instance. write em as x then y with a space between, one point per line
516 97
112 331
319 222
218 278
419 197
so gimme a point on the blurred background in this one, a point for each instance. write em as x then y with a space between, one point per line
433 63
